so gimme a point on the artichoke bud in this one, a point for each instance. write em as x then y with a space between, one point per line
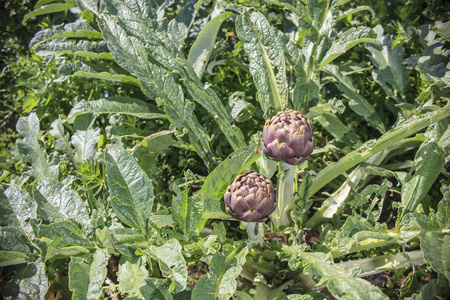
250 198
288 137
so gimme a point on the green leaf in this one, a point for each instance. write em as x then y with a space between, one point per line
64 234
131 190
23 207
48 9
13 239
354 288
218 181
7 216
428 164
389 72
57 202
117 105
337 129
436 251
62 139
93 49
108 76
224 267
33 150
323 14
295 6
132 275
30 282
202 48
157 289
10 258
85 138
178 27
267 63
346 41
77 29
186 211
86 275
443 212
172 263
357 102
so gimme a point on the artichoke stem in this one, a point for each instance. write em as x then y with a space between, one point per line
255 232
285 193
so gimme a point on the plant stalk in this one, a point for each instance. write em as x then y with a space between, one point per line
285 195
255 232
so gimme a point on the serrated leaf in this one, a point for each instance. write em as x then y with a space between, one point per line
57 202
117 105
77 29
224 267
354 288
64 234
23 207
389 72
172 263
357 102
86 275
436 251
443 212
62 140
131 190
428 164
30 282
48 9
132 275
346 41
201 50
186 211
267 63
85 138
33 150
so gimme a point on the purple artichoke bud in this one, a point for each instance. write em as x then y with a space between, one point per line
288 136
250 198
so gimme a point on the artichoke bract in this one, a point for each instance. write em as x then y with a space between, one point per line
250 198
288 137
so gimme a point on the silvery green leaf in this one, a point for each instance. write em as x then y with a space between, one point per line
87 274
48 9
117 105
13 239
186 211
77 29
62 140
85 138
267 63
436 250
29 282
224 267
389 71
178 27
57 202
443 212
202 48
33 149
158 289
131 190
354 288
132 275
23 207
63 234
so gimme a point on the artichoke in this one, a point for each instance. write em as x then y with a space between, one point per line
250 198
288 137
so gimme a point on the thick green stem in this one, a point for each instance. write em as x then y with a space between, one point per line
411 126
285 193
255 232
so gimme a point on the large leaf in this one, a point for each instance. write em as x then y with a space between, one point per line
436 250
357 102
131 190
202 48
443 213
267 63
86 275
178 27
389 72
23 206
428 164
85 138
172 263
77 29
62 138
186 211
354 288
117 105
346 41
132 275
57 202
224 267
48 9
63 234
30 282
33 149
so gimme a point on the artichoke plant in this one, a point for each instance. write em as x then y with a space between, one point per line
288 137
250 198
